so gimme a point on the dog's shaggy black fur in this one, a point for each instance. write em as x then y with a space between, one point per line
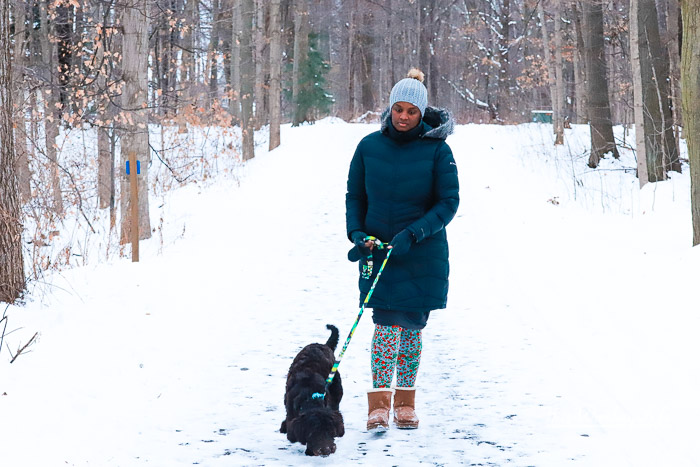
315 422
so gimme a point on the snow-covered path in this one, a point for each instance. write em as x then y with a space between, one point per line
554 349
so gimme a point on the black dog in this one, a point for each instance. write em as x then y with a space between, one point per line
313 416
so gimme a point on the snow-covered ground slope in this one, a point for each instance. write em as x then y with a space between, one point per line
570 336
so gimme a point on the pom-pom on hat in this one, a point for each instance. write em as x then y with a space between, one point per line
411 90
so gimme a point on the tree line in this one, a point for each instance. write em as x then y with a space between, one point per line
117 67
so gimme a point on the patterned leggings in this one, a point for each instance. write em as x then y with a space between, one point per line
395 347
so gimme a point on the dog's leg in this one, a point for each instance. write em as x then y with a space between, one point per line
283 428
291 433
335 393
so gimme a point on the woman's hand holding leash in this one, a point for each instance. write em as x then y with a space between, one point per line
363 242
402 242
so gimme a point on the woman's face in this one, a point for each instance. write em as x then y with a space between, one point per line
405 116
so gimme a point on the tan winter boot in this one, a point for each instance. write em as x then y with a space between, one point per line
379 408
404 408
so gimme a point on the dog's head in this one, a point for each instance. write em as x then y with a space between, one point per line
317 429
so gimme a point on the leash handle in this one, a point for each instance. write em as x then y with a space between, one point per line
368 267
334 370
378 243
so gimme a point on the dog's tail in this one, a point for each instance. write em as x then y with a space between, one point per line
333 340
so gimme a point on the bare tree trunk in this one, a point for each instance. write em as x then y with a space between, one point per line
62 27
414 56
426 10
667 63
672 16
261 116
112 199
52 113
23 173
504 77
275 74
158 65
188 55
247 79
367 47
580 115
235 104
652 92
163 65
135 106
383 29
639 120
301 49
351 63
105 166
171 69
33 122
661 72
225 35
551 71
212 56
559 69
690 82
11 261
602 138
105 169
387 79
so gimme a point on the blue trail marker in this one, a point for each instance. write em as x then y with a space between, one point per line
138 168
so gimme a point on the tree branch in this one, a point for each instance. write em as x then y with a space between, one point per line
24 347
4 328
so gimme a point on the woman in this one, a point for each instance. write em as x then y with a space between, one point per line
402 187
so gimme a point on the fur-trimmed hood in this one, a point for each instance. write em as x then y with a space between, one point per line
439 120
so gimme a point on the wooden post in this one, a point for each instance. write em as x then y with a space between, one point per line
134 201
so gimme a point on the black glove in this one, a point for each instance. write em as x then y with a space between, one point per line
360 250
402 242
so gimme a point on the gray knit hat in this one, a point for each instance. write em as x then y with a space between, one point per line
410 90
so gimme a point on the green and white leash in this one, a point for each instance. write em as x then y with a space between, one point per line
369 266
380 245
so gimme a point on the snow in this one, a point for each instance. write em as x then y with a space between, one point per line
570 336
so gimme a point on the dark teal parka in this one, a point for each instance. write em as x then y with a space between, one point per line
406 180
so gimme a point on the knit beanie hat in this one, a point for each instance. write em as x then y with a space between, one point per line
411 90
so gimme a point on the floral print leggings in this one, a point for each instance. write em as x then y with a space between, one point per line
395 348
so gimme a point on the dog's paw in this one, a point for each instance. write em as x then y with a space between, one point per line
324 451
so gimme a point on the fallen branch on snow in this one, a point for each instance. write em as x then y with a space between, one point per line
23 348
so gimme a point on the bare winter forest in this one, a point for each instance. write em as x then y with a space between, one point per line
180 88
